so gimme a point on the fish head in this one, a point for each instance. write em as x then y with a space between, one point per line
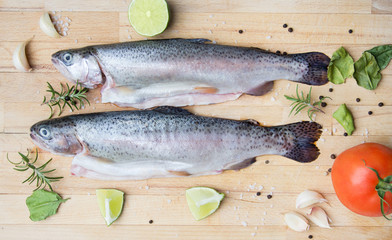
56 136
79 65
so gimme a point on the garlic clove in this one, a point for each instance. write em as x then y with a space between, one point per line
47 26
19 57
319 217
296 221
308 198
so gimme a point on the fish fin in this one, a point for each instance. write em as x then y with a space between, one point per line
172 110
241 165
261 89
209 90
180 173
198 40
317 68
253 122
303 148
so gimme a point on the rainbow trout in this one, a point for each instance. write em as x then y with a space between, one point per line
168 142
180 72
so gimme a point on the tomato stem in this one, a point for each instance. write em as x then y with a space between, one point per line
383 186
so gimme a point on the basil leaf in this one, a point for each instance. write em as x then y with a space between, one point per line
383 55
43 204
345 118
367 72
340 67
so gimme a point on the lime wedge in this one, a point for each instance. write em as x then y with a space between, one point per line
203 201
110 203
148 17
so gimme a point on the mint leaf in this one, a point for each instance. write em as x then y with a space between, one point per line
43 204
340 67
345 118
367 72
383 55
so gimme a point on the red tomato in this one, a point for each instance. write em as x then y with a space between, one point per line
355 183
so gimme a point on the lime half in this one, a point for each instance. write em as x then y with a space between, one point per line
148 17
110 203
203 201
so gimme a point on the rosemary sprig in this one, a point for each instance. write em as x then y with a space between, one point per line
73 97
301 102
38 173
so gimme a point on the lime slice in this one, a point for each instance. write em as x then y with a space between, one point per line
110 203
148 17
203 201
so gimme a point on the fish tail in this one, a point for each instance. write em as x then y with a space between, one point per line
317 68
303 136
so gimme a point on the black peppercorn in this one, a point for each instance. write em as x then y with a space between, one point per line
284 53
67 98
380 104
370 112
333 156
329 169
350 31
310 236
278 52
258 193
323 104
358 99
290 29
240 31
267 161
321 97
150 222
331 90
345 134
285 25
269 196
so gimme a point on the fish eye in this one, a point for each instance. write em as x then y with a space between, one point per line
67 58
45 133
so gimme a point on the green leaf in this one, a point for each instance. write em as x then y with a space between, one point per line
43 204
367 72
345 118
383 55
340 67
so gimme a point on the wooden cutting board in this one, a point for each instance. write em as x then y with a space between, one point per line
318 26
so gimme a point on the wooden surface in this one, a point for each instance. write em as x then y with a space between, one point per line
318 26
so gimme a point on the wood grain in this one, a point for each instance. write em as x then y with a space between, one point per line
318 26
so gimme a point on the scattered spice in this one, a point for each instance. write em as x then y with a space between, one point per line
323 104
150 222
350 31
285 25
370 112
380 104
267 161
345 134
278 52
331 90
358 100
240 31
333 156
258 193
290 29
269 196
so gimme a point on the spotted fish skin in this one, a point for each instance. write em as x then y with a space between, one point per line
180 72
168 142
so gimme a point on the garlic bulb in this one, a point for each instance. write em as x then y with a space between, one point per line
46 25
319 217
307 198
19 57
296 221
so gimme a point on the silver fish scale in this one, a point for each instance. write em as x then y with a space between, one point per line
139 64
151 136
